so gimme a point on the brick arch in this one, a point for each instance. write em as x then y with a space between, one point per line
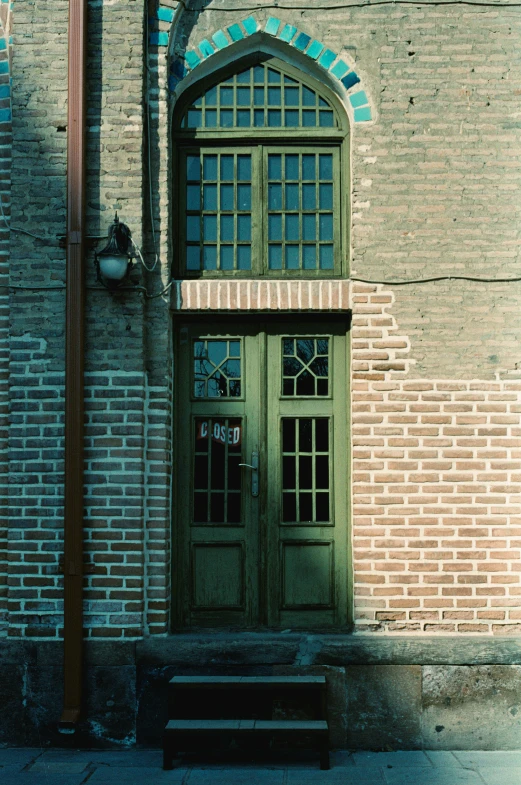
349 81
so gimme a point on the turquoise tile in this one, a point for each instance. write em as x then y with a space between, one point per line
206 48
350 80
220 39
5 115
358 99
250 25
159 39
192 59
3 44
363 114
165 14
301 41
288 31
4 67
272 25
327 58
315 49
235 32
5 91
339 69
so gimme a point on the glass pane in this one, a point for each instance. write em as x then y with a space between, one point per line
210 118
244 197
304 434
226 167
259 96
244 227
193 197
226 257
291 96
326 227
309 228
244 77
210 167
326 119
258 118
309 260
292 167
275 257
308 167
292 257
258 73
291 118
309 118
244 167
274 196
292 194
274 118
244 257
292 227
273 76
309 199
210 197
226 118
210 228
194 118
210 257
227 197
326 257
227 232
226 96
326 196
193 168
305 471
326 167
193 228
243 118
243 96
275 167
274 96
309 97
210 97
274 227
322 434
193 257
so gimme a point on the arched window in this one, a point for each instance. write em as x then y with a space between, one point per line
261 174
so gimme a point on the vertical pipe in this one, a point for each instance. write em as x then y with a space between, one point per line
74 362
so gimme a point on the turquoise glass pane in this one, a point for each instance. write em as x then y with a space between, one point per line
321 102
292 227
274 96
193 257
275 196
326 119
193 197
273 76
309 118
326 257
291 197
193 168
244 77
308 167
326 196
291 118
326 227
274 257
289 80
291 96
291 257
226 96
210 228
244 257
291 167
258 74
275 167
211 97
244 167
198 102
210 118
210 257
274 227
244 228
235 349
309 229
309 257
258 96
326 167
226 257
258 118
243 96
244 197
309 197
227 231
193 228
227 197
194 118
226 118
210 167
243 118
309 97
274 118
227 167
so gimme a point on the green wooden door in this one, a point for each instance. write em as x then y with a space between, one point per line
262 532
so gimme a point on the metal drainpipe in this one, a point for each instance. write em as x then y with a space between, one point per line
74 363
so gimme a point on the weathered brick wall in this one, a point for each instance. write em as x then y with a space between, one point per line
5 197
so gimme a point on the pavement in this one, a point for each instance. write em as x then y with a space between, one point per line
32 766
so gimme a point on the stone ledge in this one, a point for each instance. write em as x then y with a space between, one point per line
261 296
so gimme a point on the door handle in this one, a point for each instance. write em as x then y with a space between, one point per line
254 466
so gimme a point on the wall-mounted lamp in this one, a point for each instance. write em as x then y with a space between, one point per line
114 262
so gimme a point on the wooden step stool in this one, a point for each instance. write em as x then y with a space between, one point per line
203 709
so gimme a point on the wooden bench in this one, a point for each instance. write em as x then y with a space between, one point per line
206 709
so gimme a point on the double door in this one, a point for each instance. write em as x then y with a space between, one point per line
261 529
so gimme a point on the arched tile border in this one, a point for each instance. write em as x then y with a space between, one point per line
311 47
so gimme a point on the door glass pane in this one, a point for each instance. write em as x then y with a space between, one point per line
217 474
306 468
305 366
217 368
